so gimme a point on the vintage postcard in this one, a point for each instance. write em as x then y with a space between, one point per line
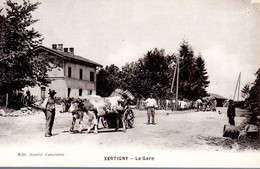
133 83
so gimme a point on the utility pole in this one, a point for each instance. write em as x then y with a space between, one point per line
176 71
177 84
238 91
237 88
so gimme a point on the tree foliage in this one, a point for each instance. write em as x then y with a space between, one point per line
193 74
200 77
153 73
107 80
245 91
252 94
19 65
129 76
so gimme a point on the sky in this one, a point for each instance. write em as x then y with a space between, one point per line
226 33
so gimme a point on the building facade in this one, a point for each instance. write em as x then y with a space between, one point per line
74 76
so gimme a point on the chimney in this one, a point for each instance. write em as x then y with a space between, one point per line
54 46
71 50
60 47
66 49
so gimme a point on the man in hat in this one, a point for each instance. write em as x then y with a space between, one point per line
49 113
150 105
231 112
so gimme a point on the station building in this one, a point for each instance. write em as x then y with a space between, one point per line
74 76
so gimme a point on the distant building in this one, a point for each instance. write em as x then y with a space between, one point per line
74 77
220 99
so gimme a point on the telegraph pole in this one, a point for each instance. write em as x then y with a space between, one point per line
177 84
237 88
176 71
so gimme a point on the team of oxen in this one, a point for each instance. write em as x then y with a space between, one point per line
93 108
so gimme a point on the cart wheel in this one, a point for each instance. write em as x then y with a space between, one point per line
129 119
104 122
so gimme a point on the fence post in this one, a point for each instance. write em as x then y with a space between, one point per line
6 100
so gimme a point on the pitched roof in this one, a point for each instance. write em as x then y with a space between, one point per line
217 96
67 55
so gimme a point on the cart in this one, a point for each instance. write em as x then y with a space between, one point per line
110 120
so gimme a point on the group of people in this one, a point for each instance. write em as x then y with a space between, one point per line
48 106
151 104
207 104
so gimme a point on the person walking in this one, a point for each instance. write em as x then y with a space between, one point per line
231 112
49 111
150 106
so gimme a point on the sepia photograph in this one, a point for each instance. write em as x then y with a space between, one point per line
130 83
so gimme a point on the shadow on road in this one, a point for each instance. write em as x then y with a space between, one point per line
102 130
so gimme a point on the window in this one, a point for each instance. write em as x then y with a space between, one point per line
80 92
92 76
69 89
90 92
80 74
69 71
43 89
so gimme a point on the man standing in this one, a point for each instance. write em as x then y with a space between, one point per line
214 105
231 112
49 105
150 105
198 104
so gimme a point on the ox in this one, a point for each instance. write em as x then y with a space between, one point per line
77 111
95 107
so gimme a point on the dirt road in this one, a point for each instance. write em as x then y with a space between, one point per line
174 130
185 131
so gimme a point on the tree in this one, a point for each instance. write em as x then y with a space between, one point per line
107 80
187 67
193 75
129 78
149 74
153 73
201 77
156 70
19 64
245 91
252 101
253 97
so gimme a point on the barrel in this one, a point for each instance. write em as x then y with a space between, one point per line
230 131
